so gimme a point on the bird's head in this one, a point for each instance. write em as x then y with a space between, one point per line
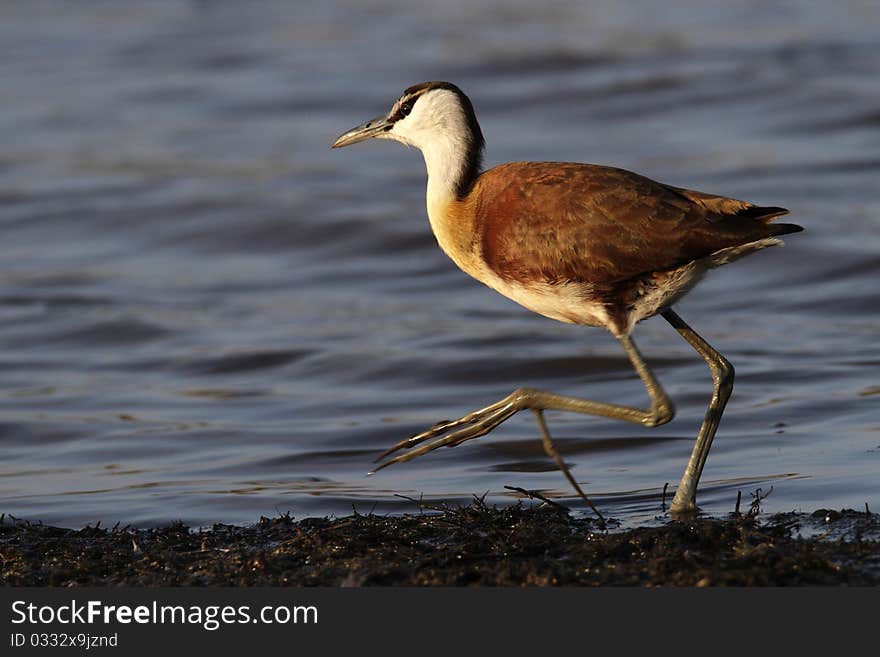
426 114
438 119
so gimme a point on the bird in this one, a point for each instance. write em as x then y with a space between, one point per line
578 243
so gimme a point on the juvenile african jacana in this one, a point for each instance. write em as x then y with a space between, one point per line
579 243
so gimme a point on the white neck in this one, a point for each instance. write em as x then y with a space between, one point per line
438 126
446 161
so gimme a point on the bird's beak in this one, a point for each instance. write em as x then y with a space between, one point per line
371 128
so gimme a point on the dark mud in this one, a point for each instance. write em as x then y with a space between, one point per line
474 545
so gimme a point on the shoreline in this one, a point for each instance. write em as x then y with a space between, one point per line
475 545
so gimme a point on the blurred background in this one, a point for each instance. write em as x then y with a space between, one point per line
207 315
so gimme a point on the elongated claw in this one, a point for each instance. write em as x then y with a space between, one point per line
480 423
436 430
439 429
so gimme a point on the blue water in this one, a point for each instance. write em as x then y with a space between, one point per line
207 315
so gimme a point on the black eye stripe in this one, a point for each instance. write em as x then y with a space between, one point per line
404 109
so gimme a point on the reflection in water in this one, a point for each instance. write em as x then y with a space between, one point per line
206 314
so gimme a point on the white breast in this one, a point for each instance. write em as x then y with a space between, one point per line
572 303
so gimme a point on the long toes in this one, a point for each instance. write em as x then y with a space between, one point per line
443 427
438 429
480 428
407 456
455 438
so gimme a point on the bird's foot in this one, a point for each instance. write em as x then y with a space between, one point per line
450 433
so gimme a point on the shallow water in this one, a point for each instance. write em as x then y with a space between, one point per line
207 315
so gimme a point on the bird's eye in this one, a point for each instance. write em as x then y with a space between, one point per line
406 108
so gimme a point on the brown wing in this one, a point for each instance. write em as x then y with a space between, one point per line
556 221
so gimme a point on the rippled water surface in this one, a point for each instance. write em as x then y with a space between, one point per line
206 314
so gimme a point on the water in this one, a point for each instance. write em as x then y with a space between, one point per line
207 315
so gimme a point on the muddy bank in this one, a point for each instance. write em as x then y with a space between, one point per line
475 545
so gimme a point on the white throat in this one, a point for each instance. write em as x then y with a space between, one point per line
446 162
438 127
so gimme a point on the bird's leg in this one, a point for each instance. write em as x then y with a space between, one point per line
482 421
685 500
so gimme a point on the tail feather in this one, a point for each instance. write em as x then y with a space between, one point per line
765 213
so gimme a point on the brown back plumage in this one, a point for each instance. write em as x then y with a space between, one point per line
555 222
